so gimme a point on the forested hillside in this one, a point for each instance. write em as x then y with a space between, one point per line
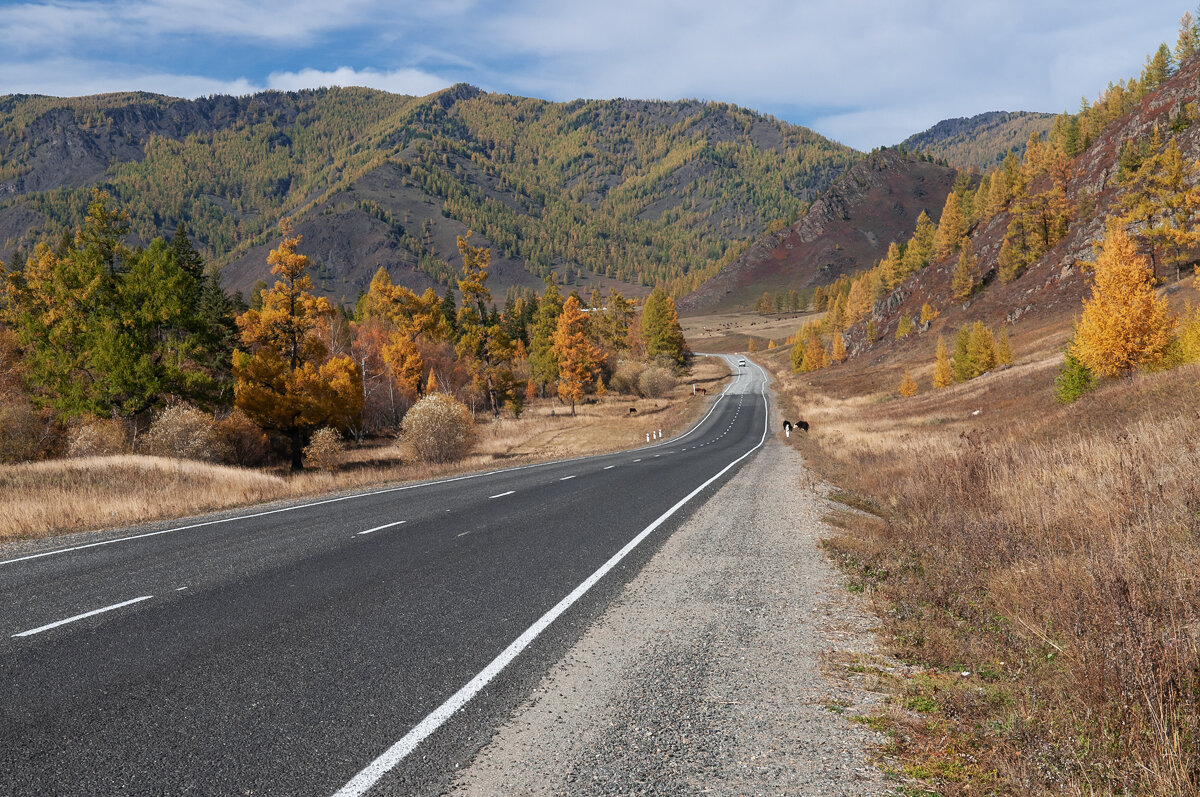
979 142
639 192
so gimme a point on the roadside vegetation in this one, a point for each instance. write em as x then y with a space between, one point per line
1024 511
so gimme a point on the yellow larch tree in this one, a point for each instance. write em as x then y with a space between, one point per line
943 376
837 351
962 282
952 226
285 379
1124 323
908 385
578 359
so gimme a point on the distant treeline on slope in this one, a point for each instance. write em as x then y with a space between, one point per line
642 192
979 142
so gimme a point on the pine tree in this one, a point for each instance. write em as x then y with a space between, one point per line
981 349
908 385
961 365
905 327
661 330
927 313
1188 42
942 375
543 362
1124 323
578 359
286 381
962 283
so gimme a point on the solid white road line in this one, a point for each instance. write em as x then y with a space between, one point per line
384 526
501 495
372 772
93 612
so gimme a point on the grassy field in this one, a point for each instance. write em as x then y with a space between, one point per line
61 496
1035 565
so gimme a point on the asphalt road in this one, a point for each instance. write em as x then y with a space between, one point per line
368 644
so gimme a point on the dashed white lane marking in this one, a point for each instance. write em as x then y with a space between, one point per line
609 467
501 495
384 526
92 613
637 460
180 589
564 478
370 774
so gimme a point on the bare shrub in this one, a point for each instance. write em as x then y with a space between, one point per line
325 449
98 437
625 378
19 431
655 382
242 442
184 432
439 428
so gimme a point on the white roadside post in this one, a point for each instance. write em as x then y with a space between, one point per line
647 437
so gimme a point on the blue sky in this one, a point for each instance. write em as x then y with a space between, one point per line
864 72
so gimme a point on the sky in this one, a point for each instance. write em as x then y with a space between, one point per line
867 73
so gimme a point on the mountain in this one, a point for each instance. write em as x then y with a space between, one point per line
979 142
1044 300
847 229
624 192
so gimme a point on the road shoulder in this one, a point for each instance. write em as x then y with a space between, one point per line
709 673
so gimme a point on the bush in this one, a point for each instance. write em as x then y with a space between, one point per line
1073 380
325 449
98 437
184 432
625 379
242 442
19 431
655 382
439 428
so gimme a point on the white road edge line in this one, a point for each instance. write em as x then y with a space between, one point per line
501 495
372 772
384 491
93 612
379 528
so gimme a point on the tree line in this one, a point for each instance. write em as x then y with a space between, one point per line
92 328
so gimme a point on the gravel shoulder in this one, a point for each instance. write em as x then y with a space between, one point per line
710 673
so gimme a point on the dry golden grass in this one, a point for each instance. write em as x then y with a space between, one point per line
1051 552
61 496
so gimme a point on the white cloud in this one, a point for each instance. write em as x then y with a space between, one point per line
66 77
399 81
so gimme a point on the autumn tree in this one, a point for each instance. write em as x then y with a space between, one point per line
482 341
952 226
942 375
908 385
578 359
285 379
837 352
1124 323
1162 203
962 282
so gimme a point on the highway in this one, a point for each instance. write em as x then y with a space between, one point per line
367 644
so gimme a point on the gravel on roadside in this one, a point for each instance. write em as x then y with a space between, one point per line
706 676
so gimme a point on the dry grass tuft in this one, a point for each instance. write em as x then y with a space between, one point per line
1051 553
